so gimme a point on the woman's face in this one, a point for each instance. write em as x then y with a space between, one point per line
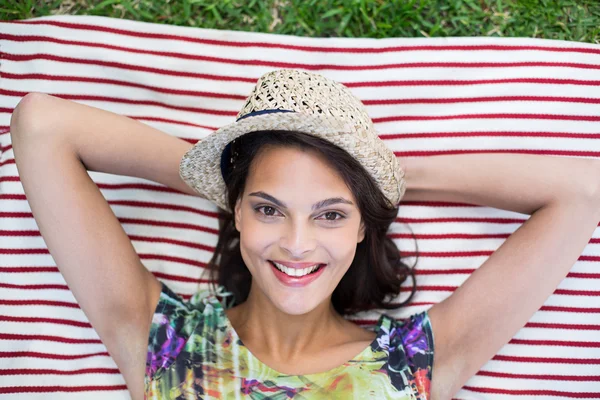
277 222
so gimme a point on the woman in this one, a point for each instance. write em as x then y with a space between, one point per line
285 336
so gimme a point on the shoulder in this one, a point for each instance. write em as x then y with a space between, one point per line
410 347
174 322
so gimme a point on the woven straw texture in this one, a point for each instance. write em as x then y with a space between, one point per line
322 108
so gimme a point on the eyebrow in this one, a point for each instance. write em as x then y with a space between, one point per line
316 206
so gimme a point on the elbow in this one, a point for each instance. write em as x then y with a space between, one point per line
590 187
25 118
586 192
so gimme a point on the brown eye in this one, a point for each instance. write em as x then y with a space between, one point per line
333 214
270 209
267 212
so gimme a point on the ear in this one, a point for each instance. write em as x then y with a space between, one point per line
237 214
361 232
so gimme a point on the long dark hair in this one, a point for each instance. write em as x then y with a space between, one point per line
376 272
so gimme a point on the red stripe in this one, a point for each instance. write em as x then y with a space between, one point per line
20 270
571 309
483 99
177 225
487 116
179 278
34 287
515 392
565 343
38 302
456 82
566 135
427 153
584 378
129 101
170 121
453 254
180 260
162 206
461 271
135 221
59 321
440 288
585 327
129 67
329 49
149 239
142 256
53 389
38 371
142 186
537 325
47 338
543 308
569 292
71 78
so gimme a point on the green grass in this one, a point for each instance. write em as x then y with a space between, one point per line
576 20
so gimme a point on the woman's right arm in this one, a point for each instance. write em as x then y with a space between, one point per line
54 142
105 141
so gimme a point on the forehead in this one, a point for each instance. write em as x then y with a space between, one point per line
292 172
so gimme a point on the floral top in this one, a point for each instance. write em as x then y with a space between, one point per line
194 353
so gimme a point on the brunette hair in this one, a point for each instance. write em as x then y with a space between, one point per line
376 271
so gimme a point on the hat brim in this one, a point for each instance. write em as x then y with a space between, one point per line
200 167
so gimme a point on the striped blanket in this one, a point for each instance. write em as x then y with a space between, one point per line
426 97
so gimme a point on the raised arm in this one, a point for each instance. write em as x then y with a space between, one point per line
486 311
54 141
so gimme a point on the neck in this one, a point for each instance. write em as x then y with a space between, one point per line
284 337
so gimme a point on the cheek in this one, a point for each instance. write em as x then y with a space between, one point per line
254 239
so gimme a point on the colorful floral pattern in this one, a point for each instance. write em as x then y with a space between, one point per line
194 353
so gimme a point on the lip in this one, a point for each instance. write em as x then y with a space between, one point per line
293 281
297 265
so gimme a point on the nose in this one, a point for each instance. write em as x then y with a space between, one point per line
298 239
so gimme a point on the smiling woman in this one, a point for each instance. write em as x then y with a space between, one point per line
305 244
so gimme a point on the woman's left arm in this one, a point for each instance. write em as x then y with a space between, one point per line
562 194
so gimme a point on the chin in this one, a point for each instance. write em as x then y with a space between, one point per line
296 302
294 309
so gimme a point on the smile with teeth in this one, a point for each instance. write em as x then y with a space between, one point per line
295 271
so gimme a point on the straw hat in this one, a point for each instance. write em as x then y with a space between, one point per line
300 101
